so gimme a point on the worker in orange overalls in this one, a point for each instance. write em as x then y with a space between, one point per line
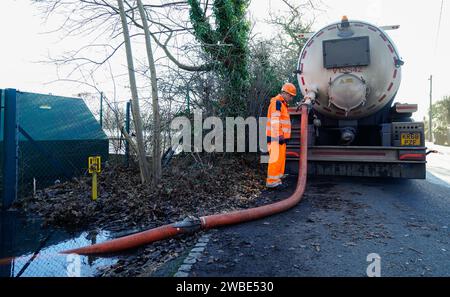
278 130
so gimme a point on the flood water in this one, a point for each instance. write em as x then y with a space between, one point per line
28 250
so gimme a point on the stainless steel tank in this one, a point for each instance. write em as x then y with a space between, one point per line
353 66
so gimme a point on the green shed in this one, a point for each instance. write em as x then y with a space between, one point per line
56 135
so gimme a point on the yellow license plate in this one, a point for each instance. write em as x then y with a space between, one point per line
410 139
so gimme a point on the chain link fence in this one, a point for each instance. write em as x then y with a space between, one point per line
53 137
44 140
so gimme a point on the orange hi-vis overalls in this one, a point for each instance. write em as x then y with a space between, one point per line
278 130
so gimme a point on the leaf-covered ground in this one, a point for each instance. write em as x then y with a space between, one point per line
188 187
191 185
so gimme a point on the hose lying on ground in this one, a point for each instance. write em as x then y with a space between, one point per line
211 221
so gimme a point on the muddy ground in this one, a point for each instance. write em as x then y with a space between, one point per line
191 185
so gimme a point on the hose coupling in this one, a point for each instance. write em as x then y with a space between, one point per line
188 225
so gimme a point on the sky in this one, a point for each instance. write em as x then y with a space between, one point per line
23 43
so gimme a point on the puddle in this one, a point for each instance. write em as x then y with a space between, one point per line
27 250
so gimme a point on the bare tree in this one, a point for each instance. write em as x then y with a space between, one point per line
143 165
156 156
187 76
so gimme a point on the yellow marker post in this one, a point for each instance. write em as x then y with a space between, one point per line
94 186
94 165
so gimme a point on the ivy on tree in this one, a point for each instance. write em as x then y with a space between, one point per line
227 44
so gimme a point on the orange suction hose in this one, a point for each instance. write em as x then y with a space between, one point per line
211 221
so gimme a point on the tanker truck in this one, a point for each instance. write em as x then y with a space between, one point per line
351 70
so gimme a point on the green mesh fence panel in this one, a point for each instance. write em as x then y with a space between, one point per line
57 135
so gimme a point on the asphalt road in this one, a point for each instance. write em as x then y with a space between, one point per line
438 164
339 222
